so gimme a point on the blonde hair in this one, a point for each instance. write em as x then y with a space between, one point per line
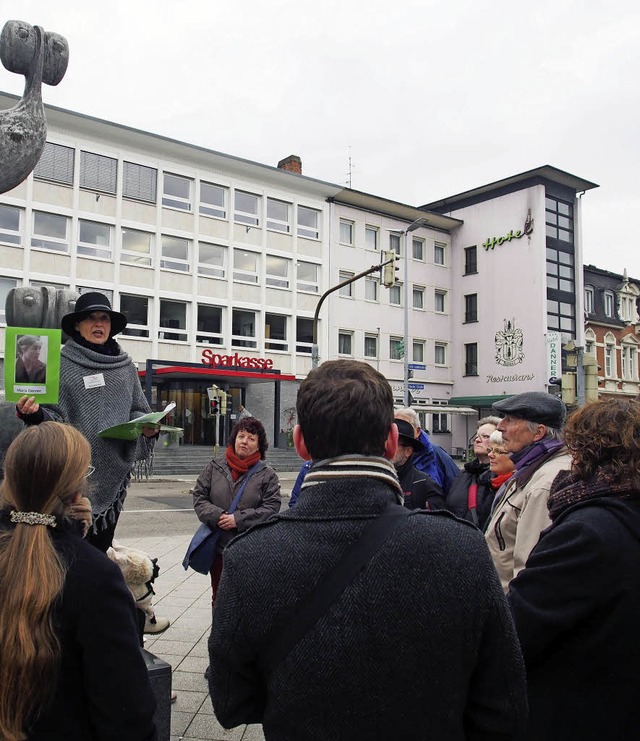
44 469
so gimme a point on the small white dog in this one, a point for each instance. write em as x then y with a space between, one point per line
139 571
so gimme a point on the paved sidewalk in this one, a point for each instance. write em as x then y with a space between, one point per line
185 598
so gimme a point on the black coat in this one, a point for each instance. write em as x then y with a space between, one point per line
102 684
577 610
479 474
419 646
420 490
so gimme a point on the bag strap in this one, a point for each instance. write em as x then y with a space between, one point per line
236 500
472 501
285 635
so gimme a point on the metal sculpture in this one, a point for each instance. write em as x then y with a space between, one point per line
41 57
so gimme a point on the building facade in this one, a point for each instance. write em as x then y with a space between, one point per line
612 325
219 264
517 259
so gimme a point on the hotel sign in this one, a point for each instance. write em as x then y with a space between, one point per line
491 242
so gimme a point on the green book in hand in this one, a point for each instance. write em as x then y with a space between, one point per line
133 429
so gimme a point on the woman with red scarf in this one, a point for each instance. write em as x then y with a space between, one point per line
220 481
500 464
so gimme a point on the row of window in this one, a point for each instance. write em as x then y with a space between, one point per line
559 219
396 350
370 348
372 287
247 327
139 182
627 308
51 232
628 357
372 241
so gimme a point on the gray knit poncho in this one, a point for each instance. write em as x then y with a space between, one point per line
90 410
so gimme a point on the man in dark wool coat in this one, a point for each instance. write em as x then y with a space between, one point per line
418 643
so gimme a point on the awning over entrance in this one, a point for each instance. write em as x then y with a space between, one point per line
203 373
445 409
477 401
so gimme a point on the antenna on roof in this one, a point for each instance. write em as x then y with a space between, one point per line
350 171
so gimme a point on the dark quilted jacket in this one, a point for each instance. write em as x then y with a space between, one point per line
421 645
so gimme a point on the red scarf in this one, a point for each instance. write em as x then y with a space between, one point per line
240 466
497 482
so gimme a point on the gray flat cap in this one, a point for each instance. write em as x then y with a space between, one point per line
534 406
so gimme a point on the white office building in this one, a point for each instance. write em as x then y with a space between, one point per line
219 264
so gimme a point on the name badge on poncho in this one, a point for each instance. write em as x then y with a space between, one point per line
92 382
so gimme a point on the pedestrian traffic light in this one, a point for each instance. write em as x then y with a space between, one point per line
389 270
214 406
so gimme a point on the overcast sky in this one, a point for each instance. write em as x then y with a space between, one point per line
427 98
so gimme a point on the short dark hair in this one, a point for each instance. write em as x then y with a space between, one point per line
345 406
255 427
26 341
606 433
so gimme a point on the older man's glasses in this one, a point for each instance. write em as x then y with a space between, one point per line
90 471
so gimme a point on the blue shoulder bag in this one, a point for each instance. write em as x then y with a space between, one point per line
204 544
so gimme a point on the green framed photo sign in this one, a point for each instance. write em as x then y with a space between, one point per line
32 363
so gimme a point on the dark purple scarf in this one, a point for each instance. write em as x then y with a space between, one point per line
568 490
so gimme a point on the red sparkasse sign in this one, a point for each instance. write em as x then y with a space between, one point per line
214 359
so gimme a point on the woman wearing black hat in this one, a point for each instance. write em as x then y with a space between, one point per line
99 388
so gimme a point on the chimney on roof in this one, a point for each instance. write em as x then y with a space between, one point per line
292 163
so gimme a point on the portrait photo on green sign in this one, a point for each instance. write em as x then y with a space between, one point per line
32 363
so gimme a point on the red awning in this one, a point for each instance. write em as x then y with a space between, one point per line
190 373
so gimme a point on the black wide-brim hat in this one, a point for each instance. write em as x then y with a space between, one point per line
405 434
87 303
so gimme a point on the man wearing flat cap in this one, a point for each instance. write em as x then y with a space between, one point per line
530 426
420 490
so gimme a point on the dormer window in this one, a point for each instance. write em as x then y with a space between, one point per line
609 303
588 300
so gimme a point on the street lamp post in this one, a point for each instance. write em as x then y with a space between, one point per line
315 354
421 221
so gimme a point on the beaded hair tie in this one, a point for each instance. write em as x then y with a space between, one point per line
33 518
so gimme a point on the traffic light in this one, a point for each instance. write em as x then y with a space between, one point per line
389 270
214 405
223 402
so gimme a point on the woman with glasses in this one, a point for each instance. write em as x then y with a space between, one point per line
70 666
500 464
471 495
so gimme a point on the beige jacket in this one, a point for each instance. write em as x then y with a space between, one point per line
520 516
